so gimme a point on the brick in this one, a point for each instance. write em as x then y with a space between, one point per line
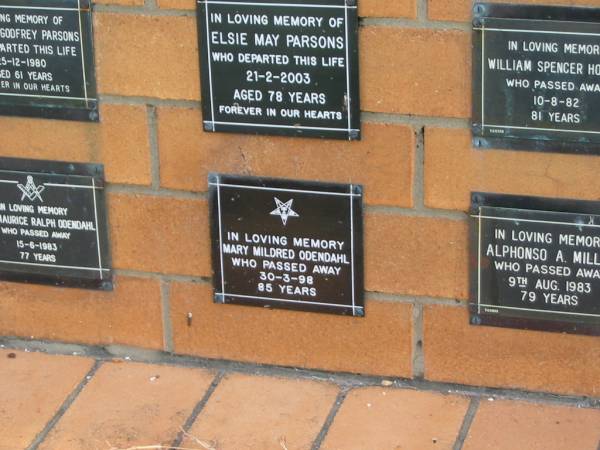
120 2
396 419
507 425
415 71
453 169
388 8
129 315
160 234
119 141
416 256
380 343
460 10
127 405
254 412
150 56
500 357
32 388
176 4
366 8
382 161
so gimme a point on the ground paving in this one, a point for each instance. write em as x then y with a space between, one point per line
96 401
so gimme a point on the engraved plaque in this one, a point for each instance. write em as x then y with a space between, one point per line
46 59
276 67
287 244
536 78
535 263
53 226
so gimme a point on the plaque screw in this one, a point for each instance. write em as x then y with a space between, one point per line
350 2
476 23
477 142
353 134
209 126
219 298
479 9
213 178
359 312
93 115
476 320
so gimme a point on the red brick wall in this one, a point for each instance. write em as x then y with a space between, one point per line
417 167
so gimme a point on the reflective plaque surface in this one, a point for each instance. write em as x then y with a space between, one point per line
53 226
277 67
535 263
47 60
287 244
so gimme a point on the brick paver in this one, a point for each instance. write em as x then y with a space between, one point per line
133 406
264 413
391 419
32 388
130 404
509 425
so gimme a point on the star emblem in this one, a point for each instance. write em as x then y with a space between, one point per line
284 210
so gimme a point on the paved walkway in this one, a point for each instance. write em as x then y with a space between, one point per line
58 402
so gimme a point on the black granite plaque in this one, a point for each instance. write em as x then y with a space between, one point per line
279 67
287 244
46 59
535 263
536 78
53 226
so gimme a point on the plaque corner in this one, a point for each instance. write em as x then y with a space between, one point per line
213 178
359 311
219 298
107 285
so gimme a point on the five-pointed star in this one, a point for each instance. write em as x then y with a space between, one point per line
284 210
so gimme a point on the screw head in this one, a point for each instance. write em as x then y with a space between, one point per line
359 312
93 115
209 126
476 320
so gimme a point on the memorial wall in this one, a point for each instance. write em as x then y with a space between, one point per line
406 188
